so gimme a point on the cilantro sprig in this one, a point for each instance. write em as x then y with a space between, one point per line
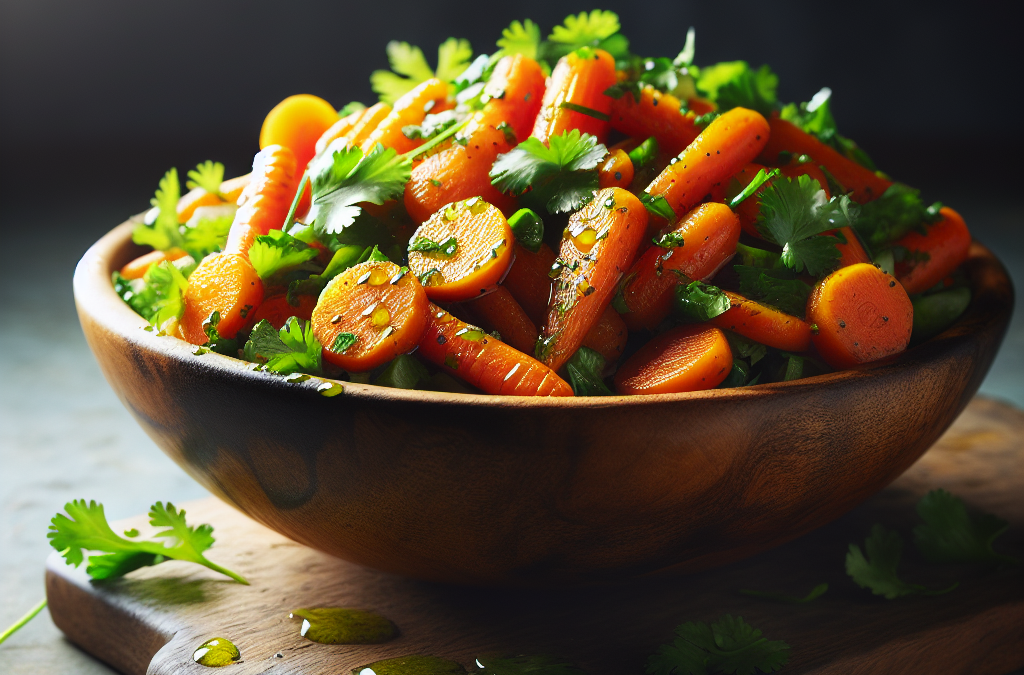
164 233
776 287
698 302
276 252
875 567
598 29
292 349
208 176
411 68
730 645
898 211
815 117
159 297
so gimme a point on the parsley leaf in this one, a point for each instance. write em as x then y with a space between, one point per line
520 38
733 83
815 117
776 287
207 230
407 60
216 343
447 248
598 29
585 368
85 528
528 229
292 349
208 175
452 58
277 252
161 301
898 211
403 372
698 302
560 177
815 593
164 233
730 645
793 215
524 665
877 571
950 535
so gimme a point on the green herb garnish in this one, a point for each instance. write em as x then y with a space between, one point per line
293 349
411 68
877 570
950 535
698 302
730 645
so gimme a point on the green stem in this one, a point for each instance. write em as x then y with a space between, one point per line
22 621
436 140
295 202
225 571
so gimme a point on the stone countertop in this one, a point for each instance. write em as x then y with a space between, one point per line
64 435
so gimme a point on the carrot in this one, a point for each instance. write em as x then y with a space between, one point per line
265 200
946 246
462 251
411 108
499 311
688 358
369 314
578 81
787 137
226 283
598 246
277 310
516 88
529 283
608 336
721 150
192 200
701 106
709 233
136 269
862 315
616 170
764 324
851 251
296 123
232 188
340 128
657 114
484 362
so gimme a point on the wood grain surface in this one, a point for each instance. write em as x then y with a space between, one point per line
152 621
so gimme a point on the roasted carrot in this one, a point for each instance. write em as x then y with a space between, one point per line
411 108
608 336
764 324
296 123
862 314
265 200
516 90
700 106
491 365
597 247
136 269
192 200
930 257
369 314
722 149
500 312
226 283
709 235
340 128
577 84
232 188
462 251
277 310
529 282
688 358
616 170
657 114
787 137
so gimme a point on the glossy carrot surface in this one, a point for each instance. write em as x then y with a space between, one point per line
579 80
265 200
688 358
529 282
411 108
499 311
608 336
657 114
225 283
765 324
930 257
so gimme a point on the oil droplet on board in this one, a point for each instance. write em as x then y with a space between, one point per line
340 626
414 664
216 653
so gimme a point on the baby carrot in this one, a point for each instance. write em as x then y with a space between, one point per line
340 128
608 336
232 188
226 283
516 90
265 200
930 257
491 365
369 314
709 235
764 324
862 315
616 170
657 114
529 282
785 136
192 200
575 98
462 251
296 123
411 108
598 246
367 123
136 269
688 358
721 150
499 311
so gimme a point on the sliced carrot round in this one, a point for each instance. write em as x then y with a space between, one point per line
369 314
226 283
862 315
764 324
462 251
688 358
296 123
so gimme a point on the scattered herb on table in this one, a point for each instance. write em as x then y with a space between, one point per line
876 570
730 645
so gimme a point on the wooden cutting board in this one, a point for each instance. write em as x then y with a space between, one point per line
153 620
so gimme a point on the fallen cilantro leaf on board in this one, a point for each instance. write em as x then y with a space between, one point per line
950 535
208 176
524 665
411 68
877 570
520 38
165 232
278 252
815 593
730 645
734 83
85 528
293 349
698 302
585 368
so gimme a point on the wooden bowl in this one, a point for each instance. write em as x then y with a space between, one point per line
537 491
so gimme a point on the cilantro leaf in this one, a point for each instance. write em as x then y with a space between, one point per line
877 571
292 349
950 535
776 287
277 252
164 233
216 343
730 645
520 38
753 186
85 528
815 593
208 175
733 83
598 29
524 665
447 248
560 177
206 231
528 229
815 117
898 211
793 215
161 301
745 348
343 341
698 302
403 372
585 368
453 56
411 68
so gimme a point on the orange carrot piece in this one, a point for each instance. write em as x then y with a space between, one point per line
232 188
765 324
411 108
599 244
785 136
529 282
136 269
381 310
223 282
688 358
482 251
516 88
265 200
471 355
608 336
499 311
701 106
616 170
722 149
851 252
277 310
710 233
340 128
296 123
862 315
192 200
946 244
657 114
579 79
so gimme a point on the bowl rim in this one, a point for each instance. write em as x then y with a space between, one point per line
992 296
